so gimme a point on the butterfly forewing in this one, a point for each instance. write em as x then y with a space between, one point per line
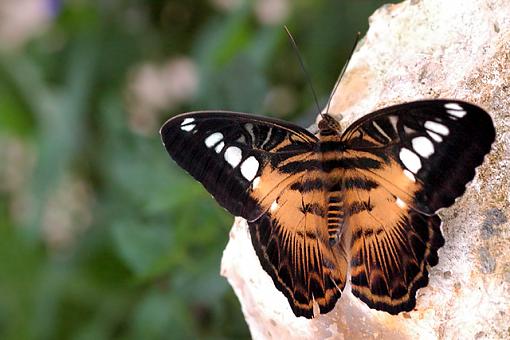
379 184
427 150
229 153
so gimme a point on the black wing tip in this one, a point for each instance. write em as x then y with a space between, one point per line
483 119
176 119
165 131
482 137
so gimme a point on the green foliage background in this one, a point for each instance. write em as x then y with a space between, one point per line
141 253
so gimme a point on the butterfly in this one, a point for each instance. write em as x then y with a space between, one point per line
320 206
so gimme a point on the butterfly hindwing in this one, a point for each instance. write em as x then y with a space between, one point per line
391 246
292 241
229 153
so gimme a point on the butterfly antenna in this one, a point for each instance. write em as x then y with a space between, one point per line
296 50
343 70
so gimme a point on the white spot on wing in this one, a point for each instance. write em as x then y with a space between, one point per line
186 124
249 168
213 139
255 183
437 127
188 127
410 160
401 203
423 146
233 156
409 175
274 206
453 106
455 110
187 121
435 136
219 147
458 114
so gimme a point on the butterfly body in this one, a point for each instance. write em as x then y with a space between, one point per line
363 200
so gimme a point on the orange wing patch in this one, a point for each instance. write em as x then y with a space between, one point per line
269 186
391 241
292 241
391 175
391 246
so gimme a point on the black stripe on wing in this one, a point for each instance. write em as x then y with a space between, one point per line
293 243
438 143
227 152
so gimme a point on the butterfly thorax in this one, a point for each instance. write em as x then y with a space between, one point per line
330 142
329 126
330 145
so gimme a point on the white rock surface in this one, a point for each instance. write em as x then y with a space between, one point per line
414 50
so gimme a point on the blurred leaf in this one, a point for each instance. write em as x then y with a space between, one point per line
15 118
162 315
141 246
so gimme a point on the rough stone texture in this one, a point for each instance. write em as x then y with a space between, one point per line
418 49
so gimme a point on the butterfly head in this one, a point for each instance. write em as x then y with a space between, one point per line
328 123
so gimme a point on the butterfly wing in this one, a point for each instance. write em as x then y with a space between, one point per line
417 158
269 172
391 246
428 150
292 241
235 156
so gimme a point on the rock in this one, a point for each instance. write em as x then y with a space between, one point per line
417 50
